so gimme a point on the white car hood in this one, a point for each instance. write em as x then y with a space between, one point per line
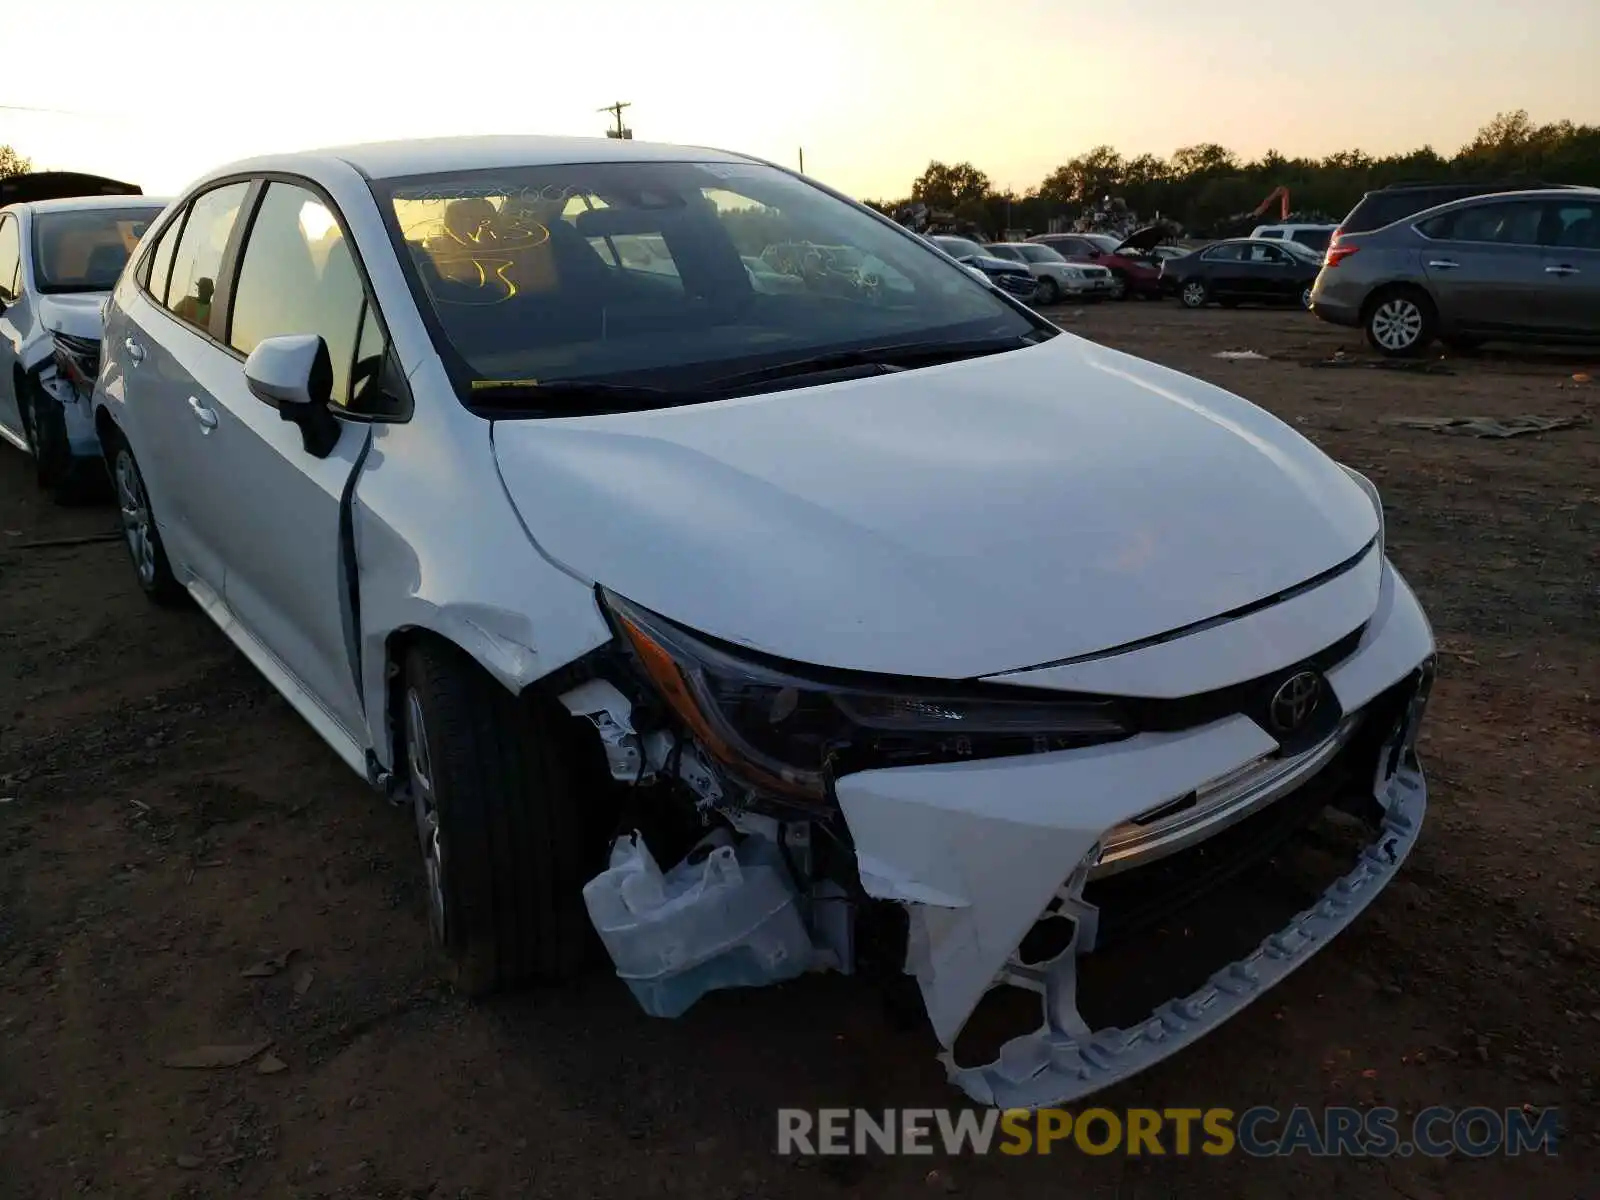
74 313
947 522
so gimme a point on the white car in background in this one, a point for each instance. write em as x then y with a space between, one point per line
61 251
967 629
1058 278
1312 237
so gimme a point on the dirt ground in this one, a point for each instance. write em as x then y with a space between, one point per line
168 822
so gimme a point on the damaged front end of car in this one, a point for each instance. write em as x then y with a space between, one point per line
997 842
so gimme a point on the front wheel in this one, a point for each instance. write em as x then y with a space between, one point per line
1194 294
1119 286
1049 291
1305 298
1400 323
505 846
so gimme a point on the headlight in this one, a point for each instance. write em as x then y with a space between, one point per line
1367 486
783 731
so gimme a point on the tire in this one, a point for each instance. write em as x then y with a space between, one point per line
64 477
1119 286
47 436
504 842
1305 298
1400 322
1049 291
140 534
1194 293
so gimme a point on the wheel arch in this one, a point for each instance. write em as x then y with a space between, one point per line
494 645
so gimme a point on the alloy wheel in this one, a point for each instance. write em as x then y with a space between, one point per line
425 810
1305 298
1119 288
1397 323
135 512
1194 294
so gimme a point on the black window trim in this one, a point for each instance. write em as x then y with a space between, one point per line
228 272
1211 253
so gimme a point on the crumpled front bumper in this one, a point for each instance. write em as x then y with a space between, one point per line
980 852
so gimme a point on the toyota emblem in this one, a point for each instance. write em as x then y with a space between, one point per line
1295 701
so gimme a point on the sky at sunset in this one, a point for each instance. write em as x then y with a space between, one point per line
872 89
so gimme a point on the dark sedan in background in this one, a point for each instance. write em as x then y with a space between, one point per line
1008 276
1243 271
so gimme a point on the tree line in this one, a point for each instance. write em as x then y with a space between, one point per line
1202 187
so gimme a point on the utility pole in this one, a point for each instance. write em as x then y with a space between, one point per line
802 160
621 131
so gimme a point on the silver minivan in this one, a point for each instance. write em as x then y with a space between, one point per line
1513 266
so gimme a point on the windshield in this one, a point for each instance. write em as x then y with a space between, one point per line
1040 254
84 250
1102 242
664 274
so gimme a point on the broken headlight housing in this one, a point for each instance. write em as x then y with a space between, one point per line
786 730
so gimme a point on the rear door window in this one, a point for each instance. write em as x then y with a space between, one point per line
10 257
198 257
1505 223
157 265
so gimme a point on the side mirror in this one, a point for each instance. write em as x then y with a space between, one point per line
294 375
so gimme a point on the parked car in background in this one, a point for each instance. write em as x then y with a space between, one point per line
1057 278
1011 277
964 627
1313 237
1385 206
1243 271
61 251
1131 274
1521 266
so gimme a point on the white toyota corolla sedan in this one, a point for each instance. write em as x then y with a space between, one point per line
1017 646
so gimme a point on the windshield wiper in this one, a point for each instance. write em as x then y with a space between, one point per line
893 357
568 395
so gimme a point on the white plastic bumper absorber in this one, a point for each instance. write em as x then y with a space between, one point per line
978 852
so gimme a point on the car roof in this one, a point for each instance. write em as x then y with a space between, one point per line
1526 194
1481 186
83 203
424 156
